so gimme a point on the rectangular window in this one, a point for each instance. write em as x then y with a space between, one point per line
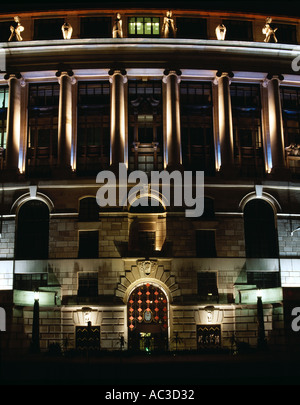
145 125
143 26
191 28
88 244
238 30
48 28
207 286
246 117
93 131
95 27
264 279
88 284
30 282
208 336
290 102
197 126
3 122
286 33
42 127
206 243
5 30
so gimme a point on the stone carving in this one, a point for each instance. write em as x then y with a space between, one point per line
147 267
67 30
168 28
117 31
16 28
293 150
221 32
269 32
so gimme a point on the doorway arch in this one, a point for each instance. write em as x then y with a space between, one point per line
148 318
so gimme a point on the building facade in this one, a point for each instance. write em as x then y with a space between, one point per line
154 91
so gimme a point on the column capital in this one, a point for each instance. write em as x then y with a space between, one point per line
170 72
220 74
121 72
18 76
271 76
68 72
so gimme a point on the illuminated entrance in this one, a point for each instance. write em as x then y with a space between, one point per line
147 319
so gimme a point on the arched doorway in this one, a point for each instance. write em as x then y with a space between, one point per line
147 311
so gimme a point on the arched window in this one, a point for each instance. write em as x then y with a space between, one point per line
260 230
32 234
88 209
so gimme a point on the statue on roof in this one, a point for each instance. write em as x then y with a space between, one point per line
269 32
16 28
168 28
221 32
67 30
117 31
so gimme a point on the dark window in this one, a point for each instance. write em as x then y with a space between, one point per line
246 117
30 282
197 126
5 30
88 209
260 231
290 100
143 26
48 28
3 122
42 127
145 125
207 286
191 27
146 241
209 209
266 279
238 30
206 243
93 134
32 234
88 338
87 284
88 244
95 27
286 34
208 336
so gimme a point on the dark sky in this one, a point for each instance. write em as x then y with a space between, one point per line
287 7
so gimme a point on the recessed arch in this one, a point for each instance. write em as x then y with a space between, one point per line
28 197
264 196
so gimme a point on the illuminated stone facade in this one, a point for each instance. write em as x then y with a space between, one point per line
73 107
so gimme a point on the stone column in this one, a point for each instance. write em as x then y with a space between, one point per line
223 80
118 138
272 83
13 122
172 147
65 131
